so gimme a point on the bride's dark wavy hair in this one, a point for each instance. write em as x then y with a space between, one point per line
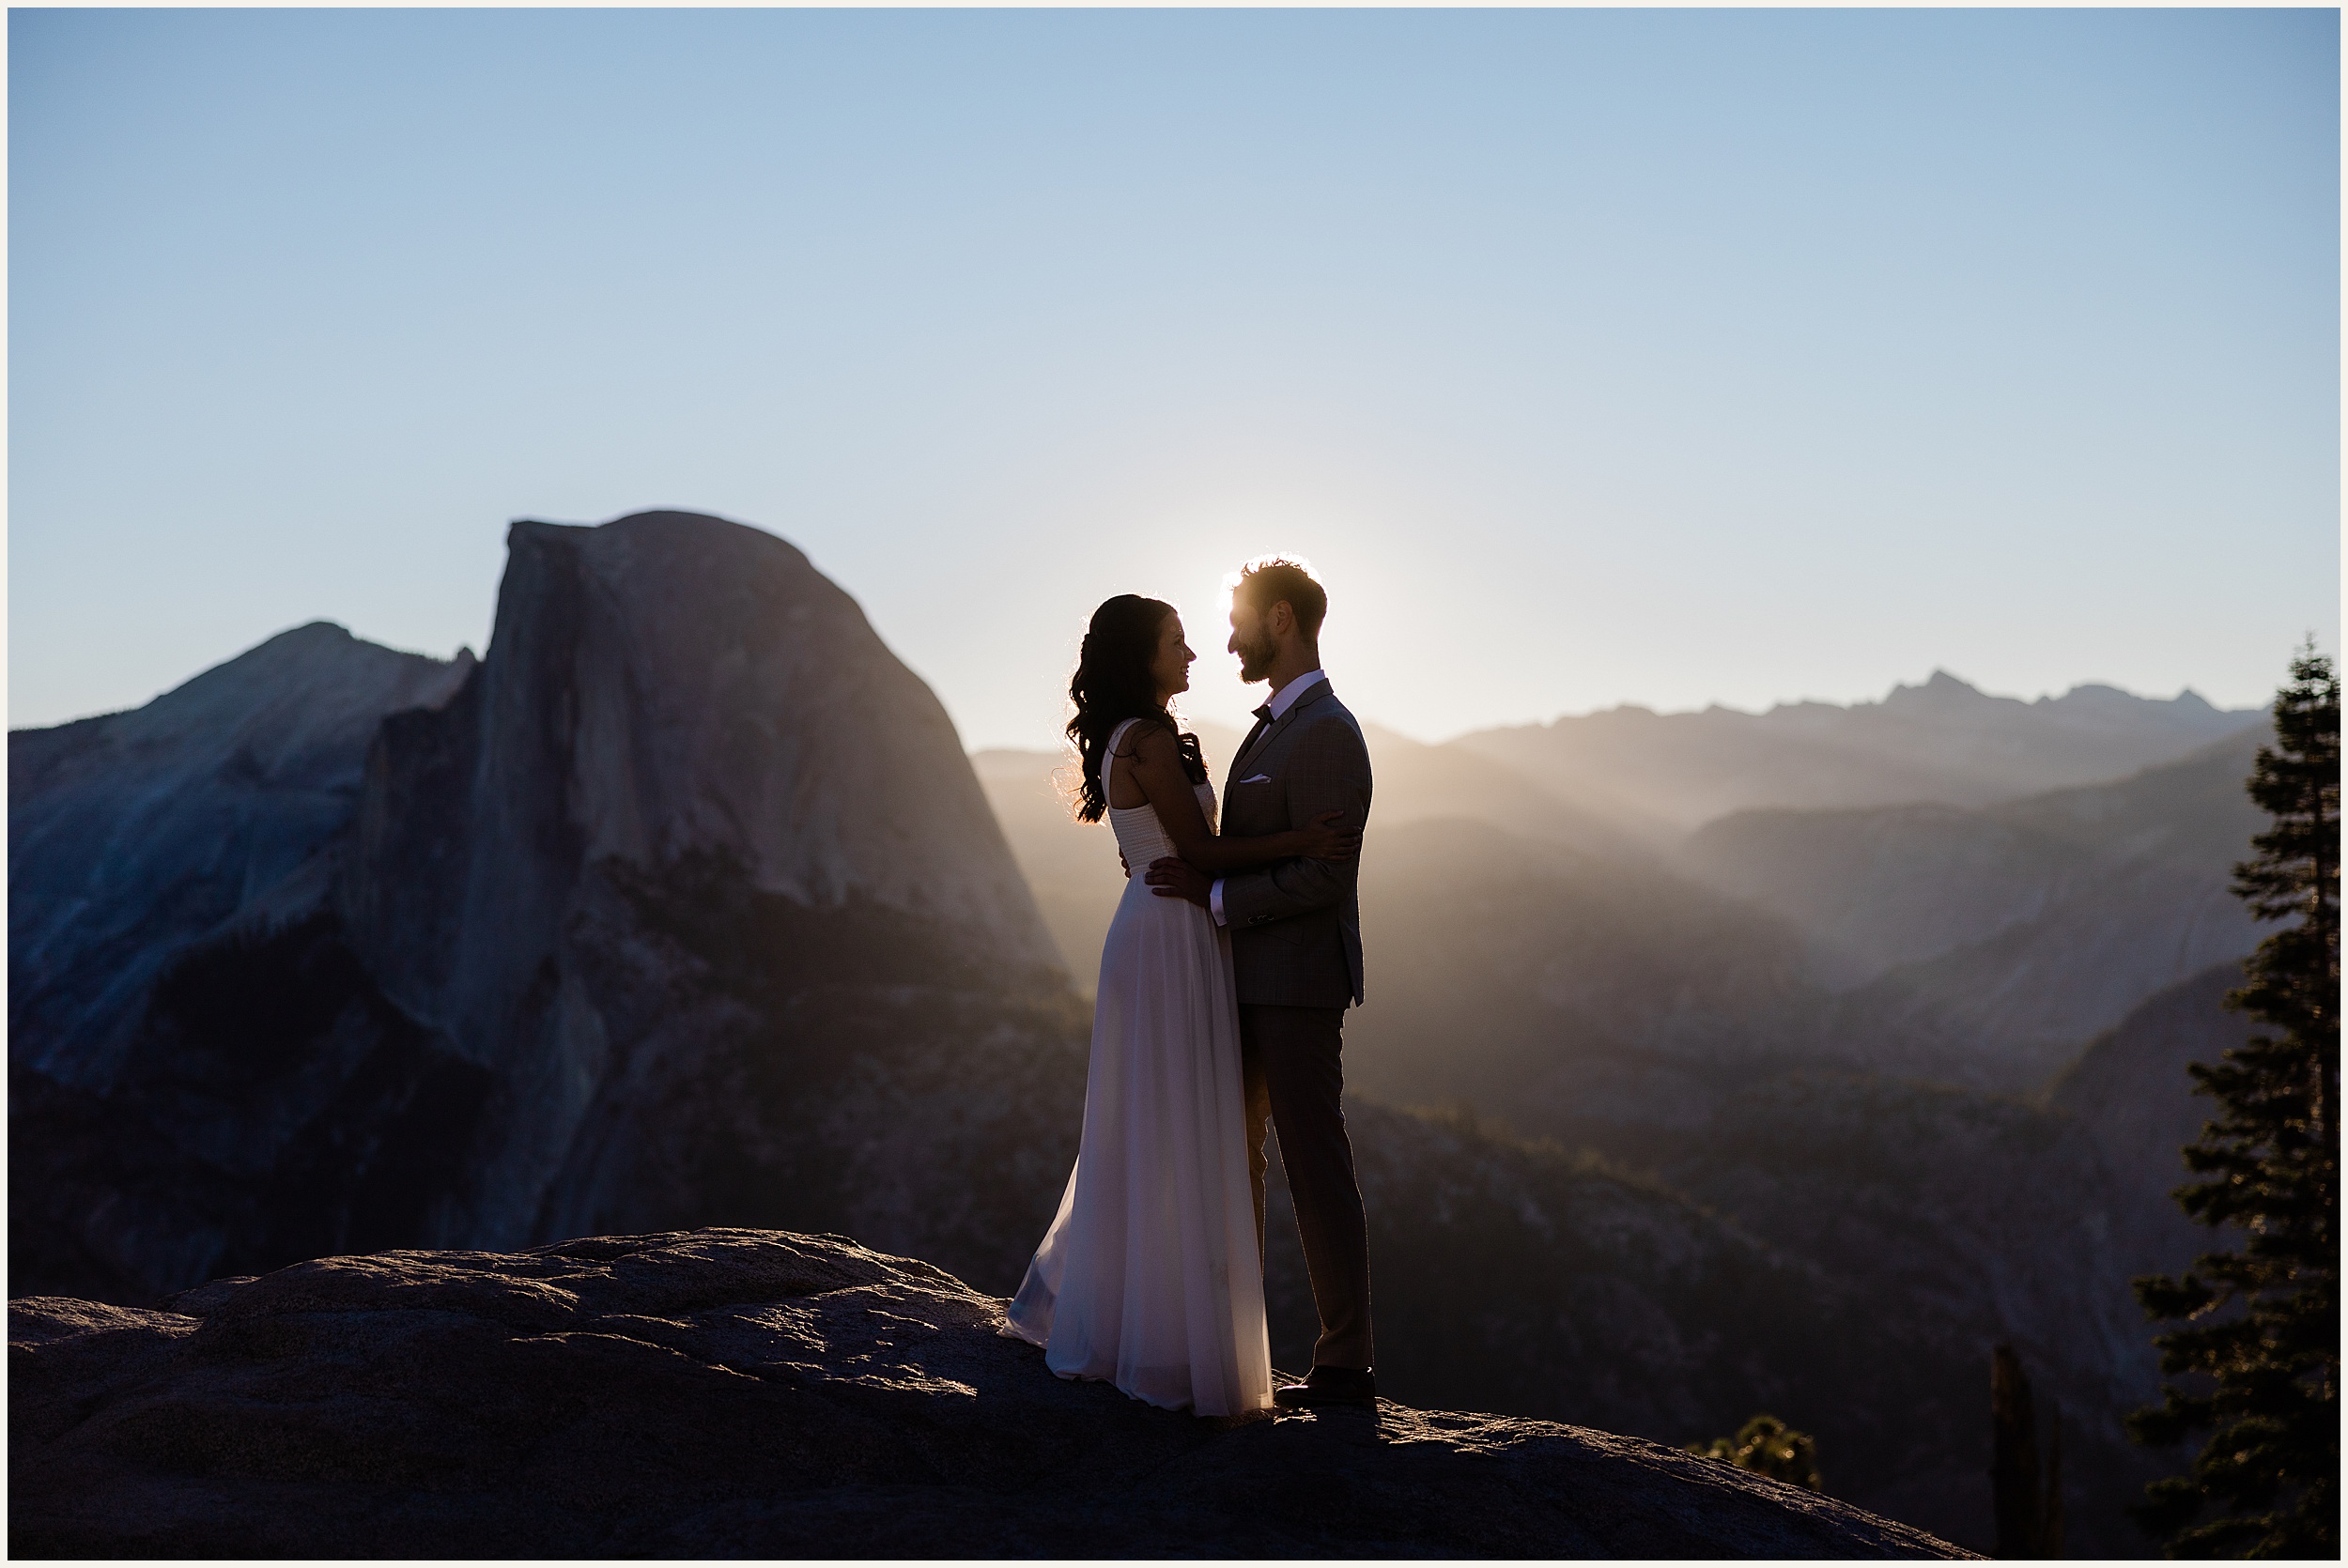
1112 684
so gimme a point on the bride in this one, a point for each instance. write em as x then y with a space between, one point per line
1152 1274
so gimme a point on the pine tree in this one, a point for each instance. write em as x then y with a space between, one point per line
2260 1344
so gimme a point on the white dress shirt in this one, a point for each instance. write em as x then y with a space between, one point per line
1282 701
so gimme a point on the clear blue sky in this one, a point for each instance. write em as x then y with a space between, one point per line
1593 356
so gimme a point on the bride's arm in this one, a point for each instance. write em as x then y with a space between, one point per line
1157 772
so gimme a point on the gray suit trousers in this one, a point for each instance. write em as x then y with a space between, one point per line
1289 1057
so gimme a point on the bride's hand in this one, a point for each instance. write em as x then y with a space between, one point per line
1325 841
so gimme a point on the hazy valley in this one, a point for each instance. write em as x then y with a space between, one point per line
1778 1061
1923 1051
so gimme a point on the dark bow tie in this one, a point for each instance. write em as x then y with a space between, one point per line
1263 722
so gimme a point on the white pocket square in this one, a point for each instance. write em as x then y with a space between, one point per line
1260 778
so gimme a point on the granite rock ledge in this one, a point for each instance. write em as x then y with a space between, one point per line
757 1394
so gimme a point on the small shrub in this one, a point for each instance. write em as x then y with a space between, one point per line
1767 1446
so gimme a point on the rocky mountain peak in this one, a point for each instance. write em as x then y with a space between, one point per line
710 691
1942 686
132 835
666 690
351 947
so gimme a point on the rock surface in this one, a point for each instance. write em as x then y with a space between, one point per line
728 1392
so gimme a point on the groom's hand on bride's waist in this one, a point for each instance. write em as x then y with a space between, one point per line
1171 878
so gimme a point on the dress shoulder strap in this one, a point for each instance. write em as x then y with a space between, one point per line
1108 760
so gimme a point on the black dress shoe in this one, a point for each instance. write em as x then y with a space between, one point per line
1328 1385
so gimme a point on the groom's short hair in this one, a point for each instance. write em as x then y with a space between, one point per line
1264 583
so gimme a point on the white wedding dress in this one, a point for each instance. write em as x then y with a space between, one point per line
1150 1276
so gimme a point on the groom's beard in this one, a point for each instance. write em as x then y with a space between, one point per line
1254 660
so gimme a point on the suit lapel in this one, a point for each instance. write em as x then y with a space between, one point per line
1246 746
1312 694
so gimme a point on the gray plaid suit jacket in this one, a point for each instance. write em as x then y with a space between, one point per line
1296 926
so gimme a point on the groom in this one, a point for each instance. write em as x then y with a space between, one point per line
1296 952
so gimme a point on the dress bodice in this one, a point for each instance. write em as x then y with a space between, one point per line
1141 838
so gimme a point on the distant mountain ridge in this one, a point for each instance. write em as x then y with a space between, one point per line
1943 742
132 835
1881 888
1629 784
1985 947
